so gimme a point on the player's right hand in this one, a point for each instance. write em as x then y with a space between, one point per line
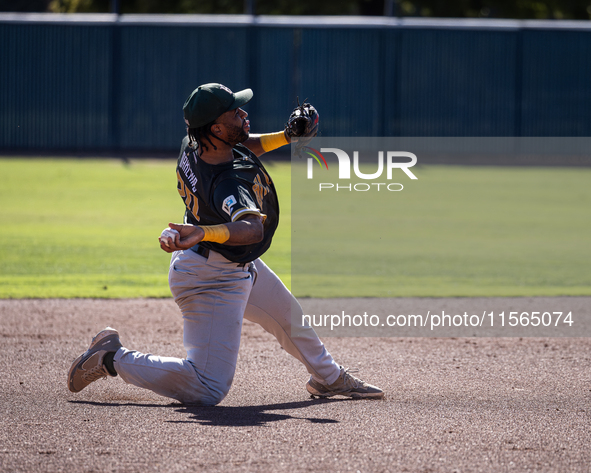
189 236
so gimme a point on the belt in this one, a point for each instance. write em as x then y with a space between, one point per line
202 251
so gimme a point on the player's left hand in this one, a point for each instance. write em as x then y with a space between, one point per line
302 123
189 236
302 126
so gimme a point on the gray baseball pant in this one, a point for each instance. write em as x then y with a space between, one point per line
214 295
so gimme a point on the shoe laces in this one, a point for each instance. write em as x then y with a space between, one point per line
95 373
350 380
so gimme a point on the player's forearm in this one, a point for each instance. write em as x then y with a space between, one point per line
245 232
260 144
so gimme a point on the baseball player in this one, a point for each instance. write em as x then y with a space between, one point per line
216 275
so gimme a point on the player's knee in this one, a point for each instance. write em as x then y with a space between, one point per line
214 399
210 398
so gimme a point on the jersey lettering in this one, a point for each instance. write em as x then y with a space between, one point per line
186 167
260 190
190 199
266 177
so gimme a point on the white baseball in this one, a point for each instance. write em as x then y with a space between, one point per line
168 233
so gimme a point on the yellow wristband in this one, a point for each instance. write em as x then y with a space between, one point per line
271 141
216 233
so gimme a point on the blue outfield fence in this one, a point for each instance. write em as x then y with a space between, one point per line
105 83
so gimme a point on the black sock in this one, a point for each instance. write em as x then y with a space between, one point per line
108 362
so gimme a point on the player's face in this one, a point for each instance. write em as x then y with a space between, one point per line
235 125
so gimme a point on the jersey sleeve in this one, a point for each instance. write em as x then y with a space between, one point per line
232 200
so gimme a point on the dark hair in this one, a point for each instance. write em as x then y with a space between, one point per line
198 135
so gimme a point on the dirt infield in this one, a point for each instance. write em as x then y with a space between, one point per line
464 404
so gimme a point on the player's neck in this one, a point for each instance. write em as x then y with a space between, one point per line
223 154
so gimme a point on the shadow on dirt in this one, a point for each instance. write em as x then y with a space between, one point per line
231 416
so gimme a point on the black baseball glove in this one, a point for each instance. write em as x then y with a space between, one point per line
302 125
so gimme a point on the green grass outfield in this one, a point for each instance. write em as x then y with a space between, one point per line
456 231
89 228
